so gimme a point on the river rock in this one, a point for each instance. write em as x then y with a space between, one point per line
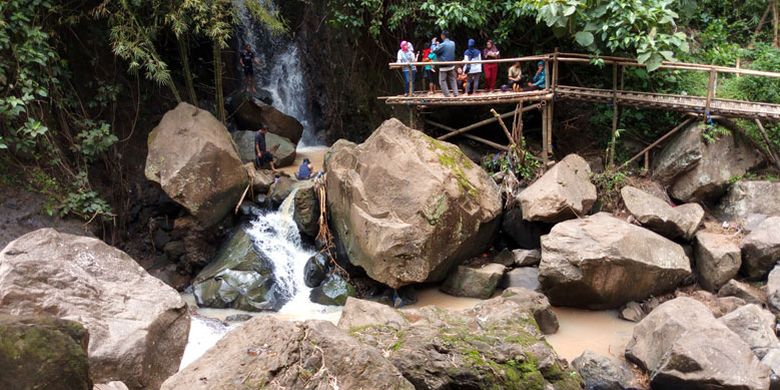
718 259
603 262
40 352
505 258
679 155
718 306
270 353
239 277
526 257
316 270
632 311
474 282
720 161
535 303
495 345
744 291
681 345
525 277
282 148
261 179
359 313
563 192
603 373
749 198
307 210
407 207
660 217
193 158
523 233
251 113
282 188
761 249
773 290
333 291
137 325
755 326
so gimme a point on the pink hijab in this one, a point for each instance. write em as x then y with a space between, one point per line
404 46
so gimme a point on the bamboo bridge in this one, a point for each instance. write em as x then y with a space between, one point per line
704 107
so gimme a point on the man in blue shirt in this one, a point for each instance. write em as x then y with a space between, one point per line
538 82
445 51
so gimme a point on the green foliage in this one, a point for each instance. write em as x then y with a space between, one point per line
524 168
712 133
608 185
96 139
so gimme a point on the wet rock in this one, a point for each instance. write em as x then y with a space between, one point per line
316 270
251 113
527 257
744 291
282 188
193 158
474 282
773 290
524 277
748 198
660 217
262 179
603 262
239 277
523 233
333 291
535 303
496 344
681 345
504 258
307 210
718 259
755 326
360 313
272 353
719 161
564 192
250 209
40 352
137 325
633 312
199 244
238 317
282 148
603 373
448 210
761 249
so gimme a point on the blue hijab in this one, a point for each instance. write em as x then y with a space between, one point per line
472 52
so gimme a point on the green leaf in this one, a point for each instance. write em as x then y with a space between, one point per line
584 38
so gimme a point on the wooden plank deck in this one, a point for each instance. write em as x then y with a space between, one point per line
421 98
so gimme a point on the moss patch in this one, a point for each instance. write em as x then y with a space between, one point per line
435 210
453 159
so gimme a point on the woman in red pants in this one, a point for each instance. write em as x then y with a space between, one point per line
491 70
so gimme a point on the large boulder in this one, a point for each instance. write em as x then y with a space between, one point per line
495 345
333 291
703 169
137 325
306 212
193 158
282 148
40 352
269 353
718 259
251 113
773 290
761 249
563 192
682 346
603 373
755 326
406 207
240 277
659 216
748 199
603 262
474 282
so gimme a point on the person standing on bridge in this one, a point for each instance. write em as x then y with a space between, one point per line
406 56
473 70
445 51
538 82
491 70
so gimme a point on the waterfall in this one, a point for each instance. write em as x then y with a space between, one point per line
280 72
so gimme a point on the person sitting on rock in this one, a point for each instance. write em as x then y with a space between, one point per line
305 170
262 155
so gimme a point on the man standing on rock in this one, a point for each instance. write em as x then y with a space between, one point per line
262 155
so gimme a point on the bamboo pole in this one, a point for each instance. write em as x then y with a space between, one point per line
613 139
711 85
480 124
503 127
219 93
545 151
769 148
469 136
657 142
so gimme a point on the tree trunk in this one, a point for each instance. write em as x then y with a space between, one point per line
184 50
775 40
220 97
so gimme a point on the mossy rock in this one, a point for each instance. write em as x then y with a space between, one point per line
43 353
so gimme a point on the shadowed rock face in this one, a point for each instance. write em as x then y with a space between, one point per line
138 326
193 158
717 259
603 262
282 148
407 207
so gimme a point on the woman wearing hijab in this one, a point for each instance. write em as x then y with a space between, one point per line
406 56
473 70
538 82
491 70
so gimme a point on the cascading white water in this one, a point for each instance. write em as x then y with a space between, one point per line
281 73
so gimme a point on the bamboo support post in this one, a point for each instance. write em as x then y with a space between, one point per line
711 86
481 123
647 161
545 150
503 127
613 139
469 136
769 148
658 141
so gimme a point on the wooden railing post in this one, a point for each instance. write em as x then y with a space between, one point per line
712 85
613 139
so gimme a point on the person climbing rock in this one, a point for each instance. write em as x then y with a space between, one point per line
473 70
248 61
262 155
445 51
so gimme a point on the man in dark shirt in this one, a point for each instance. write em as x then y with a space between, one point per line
262 155
248 60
